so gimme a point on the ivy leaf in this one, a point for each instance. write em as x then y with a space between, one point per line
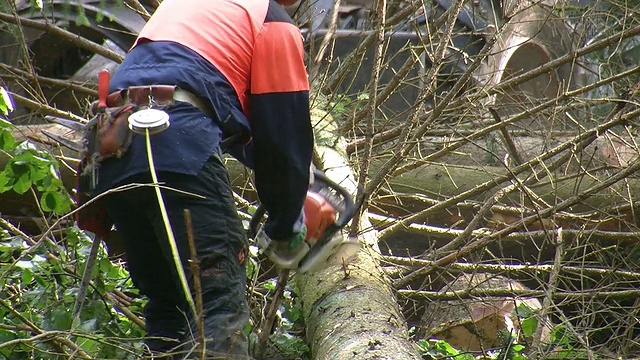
54 201
5 182
19 165
22 184
7 141
37 173
48 201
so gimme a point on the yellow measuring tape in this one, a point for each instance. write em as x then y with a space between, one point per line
158 120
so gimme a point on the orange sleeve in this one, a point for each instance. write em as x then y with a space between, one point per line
278 60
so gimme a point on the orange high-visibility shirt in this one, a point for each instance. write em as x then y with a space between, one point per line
239 38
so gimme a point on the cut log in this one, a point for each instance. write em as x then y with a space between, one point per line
350 310
476 324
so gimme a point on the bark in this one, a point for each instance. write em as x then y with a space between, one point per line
350 310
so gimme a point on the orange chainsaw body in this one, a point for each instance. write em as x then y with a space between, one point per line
318 215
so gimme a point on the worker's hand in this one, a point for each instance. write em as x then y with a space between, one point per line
285 253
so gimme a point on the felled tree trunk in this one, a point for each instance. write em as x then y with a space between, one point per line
350 310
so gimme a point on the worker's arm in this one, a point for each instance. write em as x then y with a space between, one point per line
280 122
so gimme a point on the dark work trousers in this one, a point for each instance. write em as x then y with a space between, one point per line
221 245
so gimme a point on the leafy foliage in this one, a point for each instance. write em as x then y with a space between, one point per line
39 289
39 280
30 168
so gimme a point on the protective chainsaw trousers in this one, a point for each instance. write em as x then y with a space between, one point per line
221 246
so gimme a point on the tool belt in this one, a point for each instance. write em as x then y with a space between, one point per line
107 135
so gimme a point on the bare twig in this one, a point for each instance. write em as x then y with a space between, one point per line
511 146
501 293
194 264
483 241
69 36
265 330
57 340
513 269
45 109
315 68
580 141
362 196
464 236
123 309
86 277
63 84
408 140
137 7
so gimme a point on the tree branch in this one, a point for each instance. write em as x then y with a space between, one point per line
64 34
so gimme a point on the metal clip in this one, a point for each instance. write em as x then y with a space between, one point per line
152 100
95 162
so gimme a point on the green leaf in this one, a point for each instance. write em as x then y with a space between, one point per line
558 336
88 345
82 19
54 201
89 325
6 183
18 166
441 347
37 173
48 201
60 319
270 285
27 277
6 104
524 311
529 326
41 281
22 184
247 328
6 335
7 142
5 124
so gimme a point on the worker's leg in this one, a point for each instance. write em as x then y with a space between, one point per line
221 246
149 267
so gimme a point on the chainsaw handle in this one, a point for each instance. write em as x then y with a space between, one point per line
103 88
345 215
349 210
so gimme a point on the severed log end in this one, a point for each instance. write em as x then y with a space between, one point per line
481 323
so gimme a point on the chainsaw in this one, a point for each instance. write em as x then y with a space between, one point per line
328 208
